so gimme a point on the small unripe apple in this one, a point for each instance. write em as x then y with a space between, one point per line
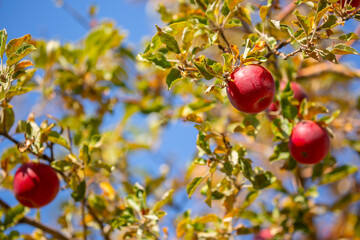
299 94
263 234
353 3
309 143
252 89
35 184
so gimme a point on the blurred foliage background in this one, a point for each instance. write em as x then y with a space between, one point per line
136 121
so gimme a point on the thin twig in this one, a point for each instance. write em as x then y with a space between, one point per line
75 14
99 222
83 219
42 156
26 220
286 12
275 51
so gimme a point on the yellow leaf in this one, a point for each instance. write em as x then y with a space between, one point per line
108 190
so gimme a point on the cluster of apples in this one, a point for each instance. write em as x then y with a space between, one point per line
252 90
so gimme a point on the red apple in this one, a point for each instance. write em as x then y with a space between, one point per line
353 3
299 94
35 184
309 143
252 89
264 234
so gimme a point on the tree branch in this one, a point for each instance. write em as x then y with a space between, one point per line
99 222
286 12
42 156
26 220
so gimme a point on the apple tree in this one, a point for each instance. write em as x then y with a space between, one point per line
265 84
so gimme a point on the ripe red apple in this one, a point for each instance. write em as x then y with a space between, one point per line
264 234
309 143
35 184
299 94
252 89
353 3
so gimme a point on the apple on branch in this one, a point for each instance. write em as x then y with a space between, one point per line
309 143
35 184
252 89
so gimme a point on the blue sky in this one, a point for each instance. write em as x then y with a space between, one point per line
43 19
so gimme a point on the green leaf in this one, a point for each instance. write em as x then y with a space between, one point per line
263 12
349 36
210 11
231 4
263 180
158 59
168 40
21 127
13 215
322 8
303 21
174 75
164 200
7 118
187 38
289 110
20 53
62 165
329 118
343 49
281 152
14 44
3 38
203 144
208 218
56 138
275 23
85 154
200 64
228 62
338 173
345 201
209 192
234 22
281 128
79 193
330 22
191 187
15 91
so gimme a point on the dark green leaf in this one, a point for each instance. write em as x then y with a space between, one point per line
79 193
349 36
168 40
338 173
56 138
330 22
343 49
174 75
191 187
62 165
7 118
13 215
